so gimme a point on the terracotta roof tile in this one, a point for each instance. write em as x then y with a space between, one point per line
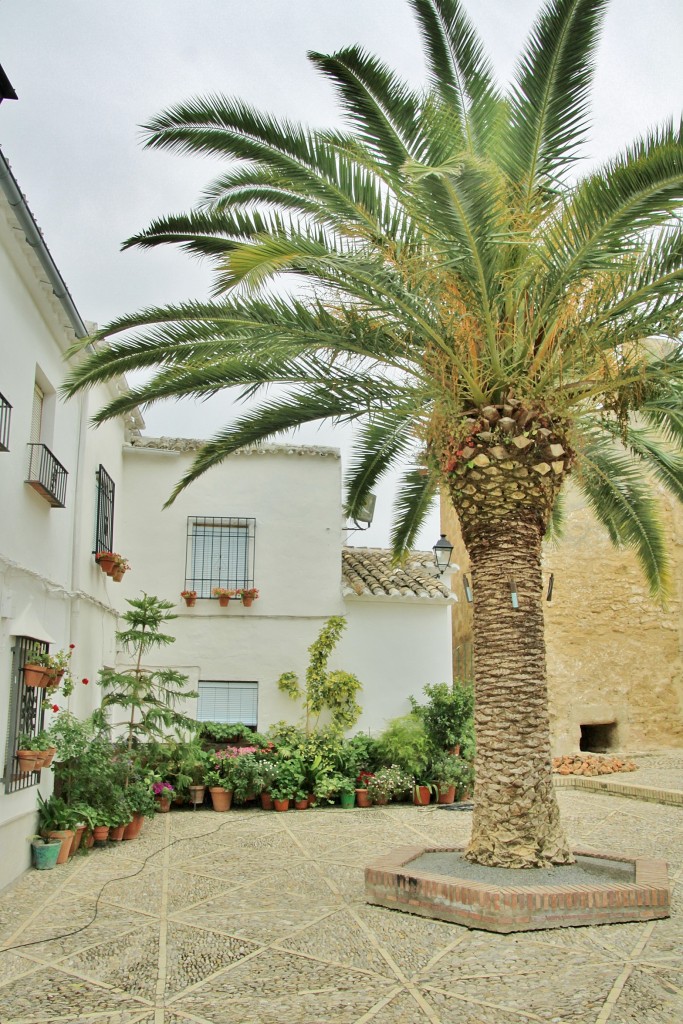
370 572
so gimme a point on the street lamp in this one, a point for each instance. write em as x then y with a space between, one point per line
443 549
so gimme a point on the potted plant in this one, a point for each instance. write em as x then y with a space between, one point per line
190 597
28 754
105 560
163 792
248 595
266 770
224 595
45 852
389 782
287 782
43 743
54 667
447 772
56 820
141 804
221 797
120 567
102 822
362 790
347 792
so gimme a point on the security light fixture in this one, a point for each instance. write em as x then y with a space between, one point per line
467 588
443 549
513 595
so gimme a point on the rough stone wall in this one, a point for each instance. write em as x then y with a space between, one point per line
613 654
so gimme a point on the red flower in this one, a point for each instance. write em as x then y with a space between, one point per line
55 707
71 646
85 681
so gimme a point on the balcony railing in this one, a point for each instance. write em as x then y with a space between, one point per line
5 413
47 475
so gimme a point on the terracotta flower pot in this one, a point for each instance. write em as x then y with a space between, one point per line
117 575
66 837
27 760
281 805
301 805
106 563
247 601
100 833
41 756
221 798
224 601
421 795
190 601
116 833
132 830
362 798
446 795
76 842
35 675
266 801
163 804
48 756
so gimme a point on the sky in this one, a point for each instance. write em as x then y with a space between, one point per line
88 73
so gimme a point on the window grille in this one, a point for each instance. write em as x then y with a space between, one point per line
220 553
5 413
228 701
47 475
104 529
25 715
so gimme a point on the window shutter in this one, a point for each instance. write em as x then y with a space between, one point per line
36 415
228 702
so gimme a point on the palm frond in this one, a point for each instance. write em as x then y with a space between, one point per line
379 446
414 499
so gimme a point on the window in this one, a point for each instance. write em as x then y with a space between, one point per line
5 413
37 414
25 715
104 529
220 553
221 701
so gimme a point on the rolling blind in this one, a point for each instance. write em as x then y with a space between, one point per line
228 702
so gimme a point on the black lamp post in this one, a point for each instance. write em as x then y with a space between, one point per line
443 549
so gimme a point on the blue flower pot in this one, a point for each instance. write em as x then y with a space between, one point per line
45 855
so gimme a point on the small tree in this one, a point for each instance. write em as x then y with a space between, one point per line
332 691
148 697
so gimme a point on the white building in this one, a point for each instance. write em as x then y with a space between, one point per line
269 518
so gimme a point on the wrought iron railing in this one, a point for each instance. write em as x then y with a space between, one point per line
25 715
47 475
220 553
104 530
5 414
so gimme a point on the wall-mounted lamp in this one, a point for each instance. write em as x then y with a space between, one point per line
551 583
513 595
467 588
443 549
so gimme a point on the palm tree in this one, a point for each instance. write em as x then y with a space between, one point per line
487 319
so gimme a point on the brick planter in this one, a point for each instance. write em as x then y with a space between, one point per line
391 882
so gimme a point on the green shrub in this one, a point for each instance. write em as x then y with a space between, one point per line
405 743
448 714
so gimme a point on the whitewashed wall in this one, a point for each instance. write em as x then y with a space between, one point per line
295 497
46 561
395 646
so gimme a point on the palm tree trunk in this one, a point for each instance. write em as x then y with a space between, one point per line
516 820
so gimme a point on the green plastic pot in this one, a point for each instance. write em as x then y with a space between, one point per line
45 854
347 799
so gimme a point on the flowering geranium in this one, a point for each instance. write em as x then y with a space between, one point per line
162 788
363 778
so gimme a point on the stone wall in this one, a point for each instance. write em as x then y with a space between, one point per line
614 656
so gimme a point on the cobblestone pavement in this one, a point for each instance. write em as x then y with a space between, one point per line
263 922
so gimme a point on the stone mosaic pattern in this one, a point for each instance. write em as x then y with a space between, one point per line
263 922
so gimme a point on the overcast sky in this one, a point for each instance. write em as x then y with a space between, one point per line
89 72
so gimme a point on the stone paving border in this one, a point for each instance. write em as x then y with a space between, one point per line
615 788
391 882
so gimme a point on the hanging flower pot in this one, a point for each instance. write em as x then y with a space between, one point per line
224 602
27 760
189 597
248 595
118 575
35 675
224 595
105 560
